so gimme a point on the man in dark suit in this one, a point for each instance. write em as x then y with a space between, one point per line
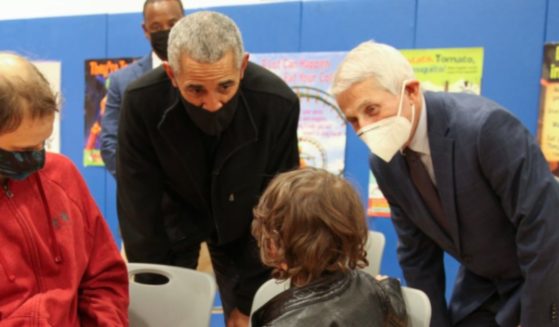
159 17
210 129
462 176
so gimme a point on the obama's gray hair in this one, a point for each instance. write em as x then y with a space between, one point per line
205 37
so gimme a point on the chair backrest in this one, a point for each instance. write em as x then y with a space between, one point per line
418 307
186 300
267 291
375 249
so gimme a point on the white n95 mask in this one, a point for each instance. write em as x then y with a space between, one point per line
385 137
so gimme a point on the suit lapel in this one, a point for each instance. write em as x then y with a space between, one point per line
140 67
145 63
442 155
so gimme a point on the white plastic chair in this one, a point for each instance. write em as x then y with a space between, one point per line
186 300
267 291
375 249
418 307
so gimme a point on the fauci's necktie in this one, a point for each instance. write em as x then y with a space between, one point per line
425 187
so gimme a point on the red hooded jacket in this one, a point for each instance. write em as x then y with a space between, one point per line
59 265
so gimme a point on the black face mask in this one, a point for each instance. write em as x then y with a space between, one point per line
159 42
212 123
20 164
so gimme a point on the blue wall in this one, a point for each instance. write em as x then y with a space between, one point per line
512 33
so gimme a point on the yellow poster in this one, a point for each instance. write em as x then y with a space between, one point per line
449 70
548 124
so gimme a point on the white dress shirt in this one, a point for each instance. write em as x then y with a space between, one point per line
155 61
420 142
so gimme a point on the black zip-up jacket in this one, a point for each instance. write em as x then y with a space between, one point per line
160 152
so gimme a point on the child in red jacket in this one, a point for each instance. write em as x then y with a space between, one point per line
59 265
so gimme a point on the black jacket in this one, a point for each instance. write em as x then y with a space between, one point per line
341 299
160 151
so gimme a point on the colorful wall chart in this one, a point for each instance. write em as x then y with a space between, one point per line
97 72
322 127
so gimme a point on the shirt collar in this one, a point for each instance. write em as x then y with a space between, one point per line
155 61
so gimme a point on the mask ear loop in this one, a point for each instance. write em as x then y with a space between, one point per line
402 91
412 113
404 83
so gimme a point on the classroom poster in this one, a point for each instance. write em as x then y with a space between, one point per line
96 84
51 70
449 70
548 123
322 127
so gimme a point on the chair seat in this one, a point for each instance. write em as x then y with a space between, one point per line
185 300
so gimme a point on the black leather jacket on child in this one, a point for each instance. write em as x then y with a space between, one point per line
352 298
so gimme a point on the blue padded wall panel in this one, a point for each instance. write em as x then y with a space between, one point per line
552 29
70 40
125 36
511 33
110 205
340 25
267 27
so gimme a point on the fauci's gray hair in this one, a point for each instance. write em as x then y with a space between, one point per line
369 59
205 37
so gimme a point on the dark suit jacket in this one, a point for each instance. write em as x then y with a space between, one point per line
161 151
118 82
502 205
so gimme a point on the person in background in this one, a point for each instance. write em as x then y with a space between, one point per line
311 229
463 176
209 129
159 17
59 265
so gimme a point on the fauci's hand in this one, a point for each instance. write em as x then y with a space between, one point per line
237 319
